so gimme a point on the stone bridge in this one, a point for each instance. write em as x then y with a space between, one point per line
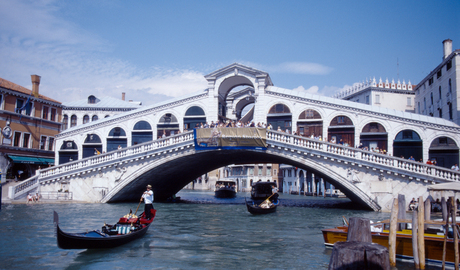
168 164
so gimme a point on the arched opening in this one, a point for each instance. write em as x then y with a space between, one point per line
65 122
117 138
85 119
94 118
310 124
92 145
194 116
167 126
227 86
408 143
341 130
280 117
68 152
73 120
445 151
142 132
374 137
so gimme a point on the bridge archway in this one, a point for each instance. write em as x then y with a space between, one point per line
169 176
92 145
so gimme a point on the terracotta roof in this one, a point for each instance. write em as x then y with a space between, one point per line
14 87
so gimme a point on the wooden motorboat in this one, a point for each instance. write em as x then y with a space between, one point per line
225 189
434 239
127 229
262 207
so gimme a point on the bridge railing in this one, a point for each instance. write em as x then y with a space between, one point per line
33 182
429 171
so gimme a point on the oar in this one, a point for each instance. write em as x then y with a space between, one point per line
137 207
266 199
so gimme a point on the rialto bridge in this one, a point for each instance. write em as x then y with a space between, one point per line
134 152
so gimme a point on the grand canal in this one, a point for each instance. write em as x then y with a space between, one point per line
204 233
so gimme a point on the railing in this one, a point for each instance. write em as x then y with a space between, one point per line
422 170
132 151
429 171
55 195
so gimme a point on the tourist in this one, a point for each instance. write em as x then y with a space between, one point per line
455 167
412 158
413 205
29 198
147 197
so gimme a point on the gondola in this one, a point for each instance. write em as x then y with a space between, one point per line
262 207
125 230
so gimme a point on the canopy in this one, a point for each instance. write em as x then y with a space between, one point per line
452 186
32 160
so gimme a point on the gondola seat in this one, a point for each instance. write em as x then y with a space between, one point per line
123 229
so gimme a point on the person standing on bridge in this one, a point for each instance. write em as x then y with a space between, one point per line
147 197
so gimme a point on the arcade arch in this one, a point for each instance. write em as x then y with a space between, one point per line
142 132
68 152
280 117
167 126
117 137
374 137
194 116
310 124
342 131
445 151
408 143
92 145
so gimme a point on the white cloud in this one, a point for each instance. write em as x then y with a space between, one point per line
312 90
73 63
306 68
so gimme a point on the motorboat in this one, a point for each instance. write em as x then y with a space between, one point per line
225 189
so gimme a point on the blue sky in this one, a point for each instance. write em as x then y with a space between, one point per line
156 50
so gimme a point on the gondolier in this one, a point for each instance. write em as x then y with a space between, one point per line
147 197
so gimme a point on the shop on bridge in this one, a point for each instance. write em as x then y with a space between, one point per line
341 130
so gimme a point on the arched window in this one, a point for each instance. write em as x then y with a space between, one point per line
92 145
116 139
142 125
280 117
94 118
73 120
407 143
279 108
68 152
142 132
85 119
65 122
431 98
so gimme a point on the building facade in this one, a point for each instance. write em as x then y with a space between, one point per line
436 94
392 95
93 108
29 123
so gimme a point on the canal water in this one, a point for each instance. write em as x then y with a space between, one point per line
202 233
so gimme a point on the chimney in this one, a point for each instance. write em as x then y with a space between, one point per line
35 84
123 96
447 48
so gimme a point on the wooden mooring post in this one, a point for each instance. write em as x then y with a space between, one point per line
358 252
421 232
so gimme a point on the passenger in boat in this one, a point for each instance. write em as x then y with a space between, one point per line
147 197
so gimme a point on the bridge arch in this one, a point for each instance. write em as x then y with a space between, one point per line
168 176
231 82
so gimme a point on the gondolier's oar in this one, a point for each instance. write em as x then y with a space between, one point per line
266 199
137 207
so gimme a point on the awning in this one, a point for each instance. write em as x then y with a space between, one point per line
453 186
32 160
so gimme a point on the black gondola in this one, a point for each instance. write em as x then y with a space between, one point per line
262 207
126 230
262 190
